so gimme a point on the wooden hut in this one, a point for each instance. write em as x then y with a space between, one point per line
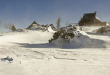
90 19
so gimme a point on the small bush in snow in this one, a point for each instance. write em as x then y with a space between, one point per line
72 29
101 30
62 34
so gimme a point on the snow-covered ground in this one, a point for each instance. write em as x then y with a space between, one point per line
29 53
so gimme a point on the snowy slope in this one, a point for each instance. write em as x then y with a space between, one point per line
28 53
25 37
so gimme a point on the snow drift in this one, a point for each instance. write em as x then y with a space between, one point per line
29 53
78 41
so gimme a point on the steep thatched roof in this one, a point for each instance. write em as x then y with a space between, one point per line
34 22
89 16
90 19
33 25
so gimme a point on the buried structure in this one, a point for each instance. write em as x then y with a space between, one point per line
33 25
91 19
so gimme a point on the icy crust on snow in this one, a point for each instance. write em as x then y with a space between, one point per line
82 41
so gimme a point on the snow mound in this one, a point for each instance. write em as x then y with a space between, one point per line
20 30
50 29
79 42
103 30
75 39
88 28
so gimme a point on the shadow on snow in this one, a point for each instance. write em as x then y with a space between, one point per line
51 45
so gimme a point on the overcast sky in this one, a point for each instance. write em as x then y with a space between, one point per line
23 12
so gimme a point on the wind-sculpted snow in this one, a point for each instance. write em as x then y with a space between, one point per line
88 28
80 42
29 53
